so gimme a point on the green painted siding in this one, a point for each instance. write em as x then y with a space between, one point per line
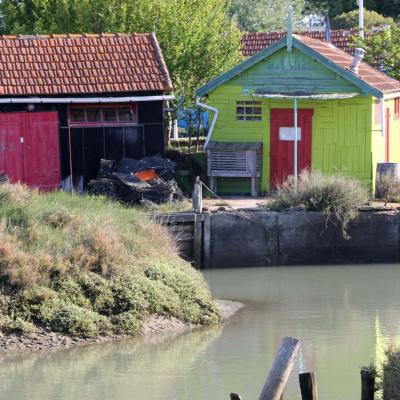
341 137
288 71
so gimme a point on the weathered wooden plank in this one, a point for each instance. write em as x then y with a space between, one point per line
308 386
281 368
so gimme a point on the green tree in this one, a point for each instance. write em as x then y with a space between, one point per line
388 8
198 39
263 15
382 50
371 19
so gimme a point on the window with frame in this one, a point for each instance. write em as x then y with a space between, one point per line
248 110
102 115
397 108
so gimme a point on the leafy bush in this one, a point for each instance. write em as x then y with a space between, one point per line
86 266
337 197
126 323
388 187
391 374
372 19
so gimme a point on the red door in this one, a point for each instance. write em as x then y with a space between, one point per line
387 134
31 153
11 154
282 143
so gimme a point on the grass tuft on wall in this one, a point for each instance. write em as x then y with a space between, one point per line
85 266
338 197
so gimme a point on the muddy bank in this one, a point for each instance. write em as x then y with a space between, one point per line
43 340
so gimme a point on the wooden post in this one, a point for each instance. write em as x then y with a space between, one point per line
284 361
367 384
308 386
197 196
206 261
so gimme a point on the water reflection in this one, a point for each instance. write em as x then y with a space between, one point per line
344 316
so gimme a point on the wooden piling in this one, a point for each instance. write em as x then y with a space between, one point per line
284 361
308 386
197 240
367 384
197 196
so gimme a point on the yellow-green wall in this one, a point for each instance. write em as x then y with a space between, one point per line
341 133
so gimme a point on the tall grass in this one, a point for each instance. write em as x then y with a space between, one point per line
338 197
388 187
86 266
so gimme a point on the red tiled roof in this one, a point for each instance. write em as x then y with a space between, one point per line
368 74
253 42
81 64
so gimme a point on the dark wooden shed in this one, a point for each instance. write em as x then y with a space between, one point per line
66 101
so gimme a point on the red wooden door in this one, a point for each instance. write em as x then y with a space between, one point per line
11 149
387 135
32 153
282 143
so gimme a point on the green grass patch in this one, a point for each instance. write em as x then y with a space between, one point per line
87 266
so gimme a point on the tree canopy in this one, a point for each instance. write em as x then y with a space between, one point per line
382 50
263 15
389 8
198 39
371 19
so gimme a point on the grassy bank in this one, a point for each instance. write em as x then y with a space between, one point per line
87 267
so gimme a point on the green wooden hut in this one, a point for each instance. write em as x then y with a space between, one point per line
299 102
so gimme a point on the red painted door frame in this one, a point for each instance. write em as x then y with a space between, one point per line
387 135
32 156
282 151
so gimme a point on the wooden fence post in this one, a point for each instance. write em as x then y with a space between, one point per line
367 384
284 361
308 386
197 196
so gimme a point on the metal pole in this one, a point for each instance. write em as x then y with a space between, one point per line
295 143
361 17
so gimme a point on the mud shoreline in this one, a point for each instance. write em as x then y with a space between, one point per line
44 340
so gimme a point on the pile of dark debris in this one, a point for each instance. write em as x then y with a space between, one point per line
132 181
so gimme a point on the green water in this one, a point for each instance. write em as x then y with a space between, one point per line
344 317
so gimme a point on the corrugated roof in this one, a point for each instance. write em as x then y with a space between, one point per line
253 42
368 74
81 64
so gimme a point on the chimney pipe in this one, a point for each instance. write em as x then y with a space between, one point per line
358 56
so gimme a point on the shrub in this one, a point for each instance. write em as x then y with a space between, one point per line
391 374
337 197
388 187
86 266
126 323
17 325
372 19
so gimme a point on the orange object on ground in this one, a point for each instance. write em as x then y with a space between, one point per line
146 175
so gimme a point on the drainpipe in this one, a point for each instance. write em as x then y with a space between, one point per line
214 121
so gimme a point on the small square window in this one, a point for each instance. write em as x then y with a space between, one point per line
110 114
125 114
78 115
93 115
248 110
